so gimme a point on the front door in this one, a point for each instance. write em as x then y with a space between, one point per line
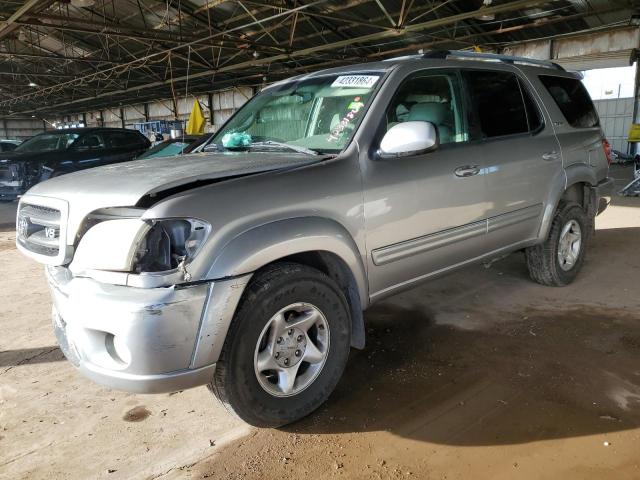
427 212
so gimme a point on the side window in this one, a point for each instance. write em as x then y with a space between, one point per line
90 141
122 140
572 99
7 147
497 102
135 140
435 98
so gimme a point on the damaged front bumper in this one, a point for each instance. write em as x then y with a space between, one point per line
11 190
145 340
11 181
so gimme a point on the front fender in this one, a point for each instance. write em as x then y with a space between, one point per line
267 243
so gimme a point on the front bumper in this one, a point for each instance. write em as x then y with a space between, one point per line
10 192
142 340
604 192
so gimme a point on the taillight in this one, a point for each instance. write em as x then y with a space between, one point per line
607 150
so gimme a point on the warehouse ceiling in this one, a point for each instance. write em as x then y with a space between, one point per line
76 55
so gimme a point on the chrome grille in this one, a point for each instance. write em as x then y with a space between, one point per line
38 229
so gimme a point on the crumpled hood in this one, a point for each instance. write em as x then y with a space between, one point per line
124 184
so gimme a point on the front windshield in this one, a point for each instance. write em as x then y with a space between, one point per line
48 142
318 114
166 149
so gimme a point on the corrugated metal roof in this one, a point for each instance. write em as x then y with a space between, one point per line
72 55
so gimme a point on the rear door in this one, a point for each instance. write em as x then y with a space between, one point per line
122 145
576 121
520 150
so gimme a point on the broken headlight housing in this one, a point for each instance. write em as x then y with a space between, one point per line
169 243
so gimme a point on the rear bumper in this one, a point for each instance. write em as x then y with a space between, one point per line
604 191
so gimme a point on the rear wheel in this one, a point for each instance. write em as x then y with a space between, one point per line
557 261
286 348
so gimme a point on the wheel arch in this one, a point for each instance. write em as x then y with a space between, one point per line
574 185
321 243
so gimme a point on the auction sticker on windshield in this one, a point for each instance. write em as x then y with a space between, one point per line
358 81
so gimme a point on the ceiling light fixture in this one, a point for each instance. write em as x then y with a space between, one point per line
486 17
33 84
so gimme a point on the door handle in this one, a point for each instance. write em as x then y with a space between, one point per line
549 156
467 171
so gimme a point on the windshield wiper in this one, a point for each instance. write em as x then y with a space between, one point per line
213 147
273 143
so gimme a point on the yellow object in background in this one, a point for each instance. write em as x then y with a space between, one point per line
195 125
634 132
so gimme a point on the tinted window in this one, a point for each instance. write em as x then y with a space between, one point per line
497 101
123 140
47 142
572 99
432 98
7 147
90 141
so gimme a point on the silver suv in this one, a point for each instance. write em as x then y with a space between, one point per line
247 267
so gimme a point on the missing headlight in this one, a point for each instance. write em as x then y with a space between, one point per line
168 243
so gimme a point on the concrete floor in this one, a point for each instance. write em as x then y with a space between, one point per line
482 374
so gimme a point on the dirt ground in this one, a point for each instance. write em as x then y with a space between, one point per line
8 214
482 374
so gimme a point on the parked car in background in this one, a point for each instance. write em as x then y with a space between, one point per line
9 145
247 267
176 146
57 152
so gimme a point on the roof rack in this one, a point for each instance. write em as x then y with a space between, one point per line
491 57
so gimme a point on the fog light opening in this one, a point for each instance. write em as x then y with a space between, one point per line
117 349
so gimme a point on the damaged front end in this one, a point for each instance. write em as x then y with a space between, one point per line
126 310
150 252
12 180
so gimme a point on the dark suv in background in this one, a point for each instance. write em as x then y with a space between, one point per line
57 152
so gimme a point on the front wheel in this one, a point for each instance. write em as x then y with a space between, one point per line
286 348
557 261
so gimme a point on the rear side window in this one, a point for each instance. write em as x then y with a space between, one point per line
123 140
572 99
498 103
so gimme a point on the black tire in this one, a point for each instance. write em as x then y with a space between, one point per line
542 260
235 382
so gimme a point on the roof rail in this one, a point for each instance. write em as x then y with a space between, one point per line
491 56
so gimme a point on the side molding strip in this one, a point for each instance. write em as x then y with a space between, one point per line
408 248
512 218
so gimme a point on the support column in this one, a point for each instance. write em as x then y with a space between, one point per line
632 148
210 100
122 117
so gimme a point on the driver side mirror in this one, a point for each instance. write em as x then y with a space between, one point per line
408 138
